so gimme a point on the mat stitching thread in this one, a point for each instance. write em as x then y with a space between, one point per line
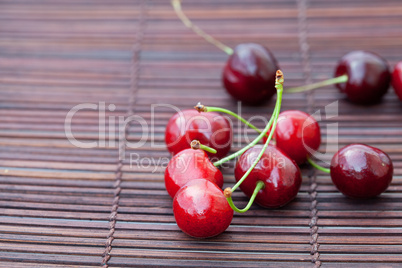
134 76
304 50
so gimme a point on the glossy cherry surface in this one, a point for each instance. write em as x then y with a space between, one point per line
361 171
280 174
201 209
249 74
368 77
211 129
187 165
297 134
397 79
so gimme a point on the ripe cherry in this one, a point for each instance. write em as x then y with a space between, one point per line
361 171
201 209
397 79
368 77
187 165
249 74
297 134
280 174
211 129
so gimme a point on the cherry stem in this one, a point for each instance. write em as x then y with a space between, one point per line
273 120
314 164
337 80
195 144
186 21
262 150
228 194
201 108
254 142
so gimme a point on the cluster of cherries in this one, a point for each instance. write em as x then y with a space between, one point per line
268 174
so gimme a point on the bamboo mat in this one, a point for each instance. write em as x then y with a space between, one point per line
64 206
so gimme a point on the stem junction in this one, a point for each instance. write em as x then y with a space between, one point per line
195 144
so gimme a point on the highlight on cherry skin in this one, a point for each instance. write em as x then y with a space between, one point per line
249 74
187 165
297 134
361 171
201 210
211 129
397 80
368 76
350 177
280 174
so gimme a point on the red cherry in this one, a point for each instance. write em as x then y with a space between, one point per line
361 171
188 165
201 210
249 74
297 134
211 129
368 77
397 79
280 174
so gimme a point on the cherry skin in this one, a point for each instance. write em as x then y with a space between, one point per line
211 129
201 209
249 74
397 79
280 174
297 134
361 171
187 165
368 77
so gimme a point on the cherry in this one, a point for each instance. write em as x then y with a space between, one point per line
187 165
368 77
361 171
249 74
201 209
297 134
397 79
280 174
211 129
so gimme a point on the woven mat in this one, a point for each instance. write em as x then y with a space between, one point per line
63 206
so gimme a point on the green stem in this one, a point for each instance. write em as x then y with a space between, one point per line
314 164
260 185
195 144
274 119
222 110
187 22
275 116
228 192
331 81
254 142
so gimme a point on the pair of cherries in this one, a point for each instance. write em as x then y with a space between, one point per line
364 77
194 183
249 74
357 170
